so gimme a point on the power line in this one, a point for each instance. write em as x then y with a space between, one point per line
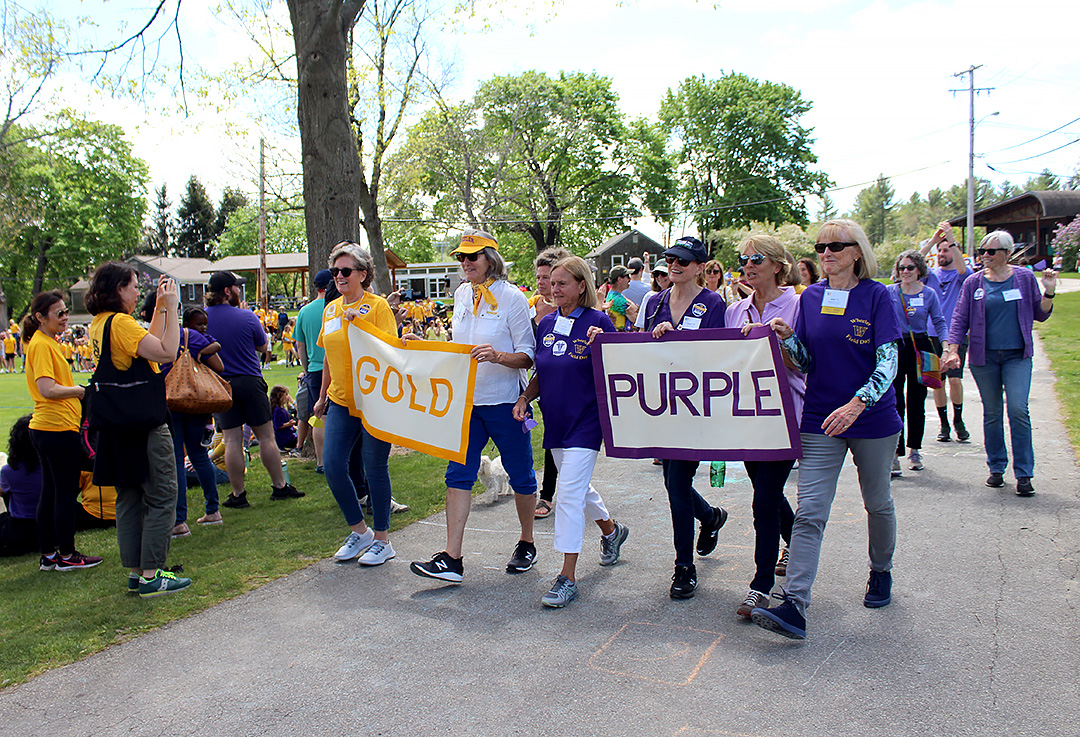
1032 140
1044 153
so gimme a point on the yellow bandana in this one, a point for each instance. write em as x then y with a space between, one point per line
481 292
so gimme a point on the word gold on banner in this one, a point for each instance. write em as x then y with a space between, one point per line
417 394
697 395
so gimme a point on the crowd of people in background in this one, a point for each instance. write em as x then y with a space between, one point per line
861 357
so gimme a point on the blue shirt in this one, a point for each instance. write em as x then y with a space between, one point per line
306 330
636 291
1002 324
947 283
565 371
240 334
843 352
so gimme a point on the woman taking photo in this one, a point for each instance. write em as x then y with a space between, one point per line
687 306
141 465
917 306
844 339
996 310
563 381
493 316
352 269
54 431
766 267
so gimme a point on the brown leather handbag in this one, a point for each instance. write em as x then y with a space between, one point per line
194 388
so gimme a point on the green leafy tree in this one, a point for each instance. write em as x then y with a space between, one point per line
1044 181
874 208
195 218
231 200
285 233
740 151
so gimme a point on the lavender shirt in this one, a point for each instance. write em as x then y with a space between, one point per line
970 315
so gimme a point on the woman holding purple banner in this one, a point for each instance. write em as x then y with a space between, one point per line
765 266
571 428
845 339
686 305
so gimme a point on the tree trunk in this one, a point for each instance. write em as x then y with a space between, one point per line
331 163
42 263
373 227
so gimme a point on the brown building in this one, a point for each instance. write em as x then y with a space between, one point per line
1030 218
619 249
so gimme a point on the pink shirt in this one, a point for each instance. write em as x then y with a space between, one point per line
785 306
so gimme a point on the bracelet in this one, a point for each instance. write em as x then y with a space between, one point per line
163 311
1049 296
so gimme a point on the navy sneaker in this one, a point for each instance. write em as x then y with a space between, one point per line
878 590
995 480
1024 486
684 582
706 542
784 620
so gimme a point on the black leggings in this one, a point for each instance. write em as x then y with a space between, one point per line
58 505
907 369
551 477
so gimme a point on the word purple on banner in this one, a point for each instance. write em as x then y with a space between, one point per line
695 395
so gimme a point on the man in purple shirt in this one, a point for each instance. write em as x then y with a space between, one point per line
946 279
242 339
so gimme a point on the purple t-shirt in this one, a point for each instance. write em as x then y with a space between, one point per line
843 352
24 488
947 283
918 311
706 311
240 334
196 342
283 436
567 391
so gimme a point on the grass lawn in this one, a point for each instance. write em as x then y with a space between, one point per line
49 619
1060 334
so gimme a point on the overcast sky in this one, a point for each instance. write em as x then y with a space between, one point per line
879 76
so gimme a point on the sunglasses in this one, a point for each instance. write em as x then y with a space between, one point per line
461 257
910 267
989 251
344 271
713 271
63 313
682 261
757 259
835 246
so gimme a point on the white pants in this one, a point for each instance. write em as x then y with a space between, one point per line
575 498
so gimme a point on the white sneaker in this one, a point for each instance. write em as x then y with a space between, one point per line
379 552
915 461
354 545
896 470
396 506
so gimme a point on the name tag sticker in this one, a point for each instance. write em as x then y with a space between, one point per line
690 323
332 326
532 312
979 293
563 325
916 301
834 302
1011 295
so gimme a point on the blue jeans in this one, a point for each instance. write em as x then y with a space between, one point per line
496 422
1006 372
343 431
187 432
686 506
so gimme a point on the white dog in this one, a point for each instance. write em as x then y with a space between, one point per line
494 478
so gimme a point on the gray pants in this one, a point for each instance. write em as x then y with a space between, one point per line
145 514
819 470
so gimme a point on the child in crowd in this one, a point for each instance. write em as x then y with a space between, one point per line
20 487
195 319
284 423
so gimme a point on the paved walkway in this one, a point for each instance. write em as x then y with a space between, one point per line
981 637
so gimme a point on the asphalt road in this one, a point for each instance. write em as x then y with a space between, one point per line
981 637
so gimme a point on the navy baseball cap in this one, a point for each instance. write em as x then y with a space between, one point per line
690 249
322 279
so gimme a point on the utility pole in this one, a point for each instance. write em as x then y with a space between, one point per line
264 300
969 239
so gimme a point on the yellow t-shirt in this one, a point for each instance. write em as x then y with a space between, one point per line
332 338
9 344
98 501
126 334
286 337
44 358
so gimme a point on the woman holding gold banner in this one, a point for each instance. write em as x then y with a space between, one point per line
352 270
564 384
492 316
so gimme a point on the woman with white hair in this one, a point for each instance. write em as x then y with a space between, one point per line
352 270
996 310
845 340
493 316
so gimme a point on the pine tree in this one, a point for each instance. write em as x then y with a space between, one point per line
196 217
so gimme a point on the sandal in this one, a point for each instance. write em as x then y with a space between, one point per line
543 509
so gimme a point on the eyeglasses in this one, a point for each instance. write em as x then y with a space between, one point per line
713 271
682 261
757 259
470 256
989 251
835 246
909 267
63 313
345 271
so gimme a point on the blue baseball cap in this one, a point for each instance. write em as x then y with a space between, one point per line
690 249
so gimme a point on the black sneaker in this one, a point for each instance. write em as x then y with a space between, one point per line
1024 487
962 434
441 566
684 582
48 562
706 542
233 501
288 491
523 558
878 590
995 480
943 436
783 620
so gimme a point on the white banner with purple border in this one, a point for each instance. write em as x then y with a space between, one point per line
697 395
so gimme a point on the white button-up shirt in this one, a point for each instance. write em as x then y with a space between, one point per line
507 327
